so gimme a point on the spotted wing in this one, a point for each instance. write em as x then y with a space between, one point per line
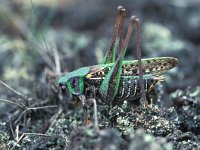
151 66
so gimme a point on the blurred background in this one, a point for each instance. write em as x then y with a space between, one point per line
55 36
42 39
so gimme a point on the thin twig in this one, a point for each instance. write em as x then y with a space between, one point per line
40 103
17 132
11 102
13 90
57 61
42 107
16 92
55 116
31 108
34 108
23 134
18 141
11 128
40 134
17 120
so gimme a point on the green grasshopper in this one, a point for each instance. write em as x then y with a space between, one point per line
117 79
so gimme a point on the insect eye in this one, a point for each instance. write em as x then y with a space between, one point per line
74 82
76 85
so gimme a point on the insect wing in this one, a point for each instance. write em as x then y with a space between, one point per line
150 66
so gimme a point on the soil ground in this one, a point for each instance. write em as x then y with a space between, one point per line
41 40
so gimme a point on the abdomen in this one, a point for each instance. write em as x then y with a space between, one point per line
129 88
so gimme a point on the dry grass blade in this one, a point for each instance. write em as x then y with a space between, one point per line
13 90
11 102
22 136
55 116
42 107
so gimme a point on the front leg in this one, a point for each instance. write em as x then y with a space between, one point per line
91 91
86 105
